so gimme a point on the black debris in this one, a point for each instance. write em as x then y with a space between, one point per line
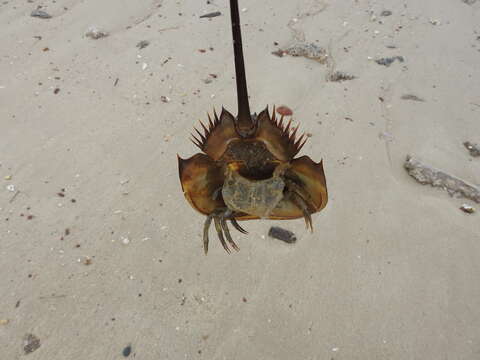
127 351
388 61
412 97
30 343
211 15
143 44
40 14
474 149
282 234
339 76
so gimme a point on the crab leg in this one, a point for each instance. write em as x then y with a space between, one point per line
302 205
294 187
206 227
227 233
218 227
237 226
220 217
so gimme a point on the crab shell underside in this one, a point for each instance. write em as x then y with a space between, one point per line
272 143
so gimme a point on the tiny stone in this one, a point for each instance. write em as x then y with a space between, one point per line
339 76
127 351
143 44
467 209
40 14
388 61
474 149
386 13
308 50
282 234
412 97
95 33
212 14
30 343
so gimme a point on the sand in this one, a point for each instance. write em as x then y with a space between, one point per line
392 270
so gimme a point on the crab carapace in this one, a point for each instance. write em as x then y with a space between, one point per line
247 169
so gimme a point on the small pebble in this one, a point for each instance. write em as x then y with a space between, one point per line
127 351
211 15
30 343
386 13
40 14
95 33
412 97
143 44
282 234
467 209
388 61
339 76
474 149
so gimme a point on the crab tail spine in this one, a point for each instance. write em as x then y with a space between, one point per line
244 116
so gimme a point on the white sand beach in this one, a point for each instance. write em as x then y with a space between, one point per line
100 254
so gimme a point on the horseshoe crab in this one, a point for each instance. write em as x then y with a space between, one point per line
247 169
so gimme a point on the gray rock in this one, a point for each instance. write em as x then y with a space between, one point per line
40 14
388 61
427 175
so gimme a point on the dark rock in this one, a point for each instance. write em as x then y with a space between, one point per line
211 15
282 234
474 149
339 76
143 44
412 97
40 14
388 61
30 343
127 351
427 175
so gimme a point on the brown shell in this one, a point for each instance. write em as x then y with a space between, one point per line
201 181
279 138
202 176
